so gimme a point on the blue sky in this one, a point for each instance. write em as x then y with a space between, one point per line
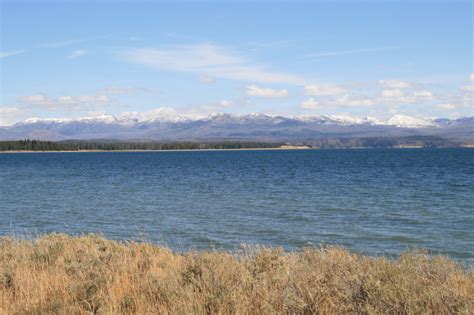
152 58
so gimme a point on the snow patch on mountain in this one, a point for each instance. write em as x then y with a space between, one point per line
403 121
400 121
37 120
230 126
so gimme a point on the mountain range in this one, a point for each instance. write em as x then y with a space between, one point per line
221 126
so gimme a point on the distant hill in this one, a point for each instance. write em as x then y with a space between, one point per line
251 127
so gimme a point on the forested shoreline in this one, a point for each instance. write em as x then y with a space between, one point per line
319 143
35 145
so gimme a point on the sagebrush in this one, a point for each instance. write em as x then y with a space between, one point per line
60 274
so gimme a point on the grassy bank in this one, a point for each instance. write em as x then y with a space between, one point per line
89 274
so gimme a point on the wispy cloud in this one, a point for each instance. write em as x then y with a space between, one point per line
65 102
323 89
446 106
253 90
4 54
176 35
78 53
125 90
347 52
310 104
63 43
271 44
69 103
207 59
383 94
189 111
395 84
11 115
207 79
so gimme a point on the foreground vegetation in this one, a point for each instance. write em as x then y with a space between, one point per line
59 274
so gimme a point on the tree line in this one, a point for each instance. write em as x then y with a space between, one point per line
382 142
36 145
321 143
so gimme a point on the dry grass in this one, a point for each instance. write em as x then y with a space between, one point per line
59 274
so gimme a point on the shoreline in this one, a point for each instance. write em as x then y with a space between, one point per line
171 150
232 149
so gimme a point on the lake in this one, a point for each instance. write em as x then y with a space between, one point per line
373 201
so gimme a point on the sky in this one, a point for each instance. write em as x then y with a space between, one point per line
145 59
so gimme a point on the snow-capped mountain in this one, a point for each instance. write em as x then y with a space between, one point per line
343 120
253 126
102 119
410 122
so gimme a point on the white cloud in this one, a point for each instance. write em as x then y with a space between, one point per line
9 110
446 106
91 103
462 100
207 79
152 113
160 112
353 101
201 110
468 88
176 35
344 101
382 95
213 60
11 115
348 52
123 90
253 90
467 91
4 54
423 94
33 98
395 84
96 113
77 53
392 93
311 104
323 90
63 43
65 102
334 96
191 111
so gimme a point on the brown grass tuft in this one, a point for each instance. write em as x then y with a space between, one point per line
59 274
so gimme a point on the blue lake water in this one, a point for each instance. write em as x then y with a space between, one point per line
370 201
